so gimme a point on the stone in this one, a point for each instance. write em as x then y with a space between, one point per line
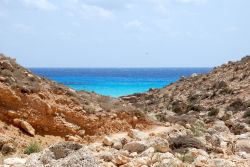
147 152
243 145
137 134
120 160
117 145
108 164
106 156
14 161
73 138
63 154
134 154
8 148
27 127
194 75
4 140
135 146
201 161
11 113
107 141
160 144
6 65
223 162
81 133
2 79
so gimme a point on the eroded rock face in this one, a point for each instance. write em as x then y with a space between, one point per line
63 154
47 108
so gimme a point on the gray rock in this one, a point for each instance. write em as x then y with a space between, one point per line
8 148
63 154
135 147
243 145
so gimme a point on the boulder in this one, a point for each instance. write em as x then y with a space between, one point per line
14 162
117 145
137 134
106 156
27 128
5 64
63 154
243 145
160 144
135 146
107 141
8 148
120 160
4 140
75 138
223 162
2 79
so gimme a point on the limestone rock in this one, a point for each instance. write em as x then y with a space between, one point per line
223 162
160 144
243 145
137 134
107 141
117 145
8 148
27 127
4 140
73 138
120 160
63 154
14 162
135 146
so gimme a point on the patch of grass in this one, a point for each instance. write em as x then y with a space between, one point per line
33 147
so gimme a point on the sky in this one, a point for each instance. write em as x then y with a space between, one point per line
124 33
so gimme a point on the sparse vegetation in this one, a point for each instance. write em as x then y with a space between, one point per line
198 128
213 112
33 147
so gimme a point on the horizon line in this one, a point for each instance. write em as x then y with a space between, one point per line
116 67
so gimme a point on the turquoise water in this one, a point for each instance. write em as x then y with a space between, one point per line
116 82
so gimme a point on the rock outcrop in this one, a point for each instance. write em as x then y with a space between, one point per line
63 155
38 105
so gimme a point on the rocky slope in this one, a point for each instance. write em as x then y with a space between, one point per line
199 121
40 106
224 92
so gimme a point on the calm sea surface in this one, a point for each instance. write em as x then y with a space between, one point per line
116 81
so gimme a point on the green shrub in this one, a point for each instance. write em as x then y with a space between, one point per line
33 147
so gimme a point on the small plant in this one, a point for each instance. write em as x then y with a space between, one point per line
33 147
198 128
213 112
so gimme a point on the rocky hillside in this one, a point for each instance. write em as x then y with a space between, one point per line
39 106
200 121
224 91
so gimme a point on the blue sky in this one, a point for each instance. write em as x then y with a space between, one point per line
124 33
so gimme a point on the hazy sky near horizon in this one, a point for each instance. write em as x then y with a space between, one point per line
124 33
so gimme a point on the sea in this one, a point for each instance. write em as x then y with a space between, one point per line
116 82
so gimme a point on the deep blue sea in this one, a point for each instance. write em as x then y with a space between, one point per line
116 81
